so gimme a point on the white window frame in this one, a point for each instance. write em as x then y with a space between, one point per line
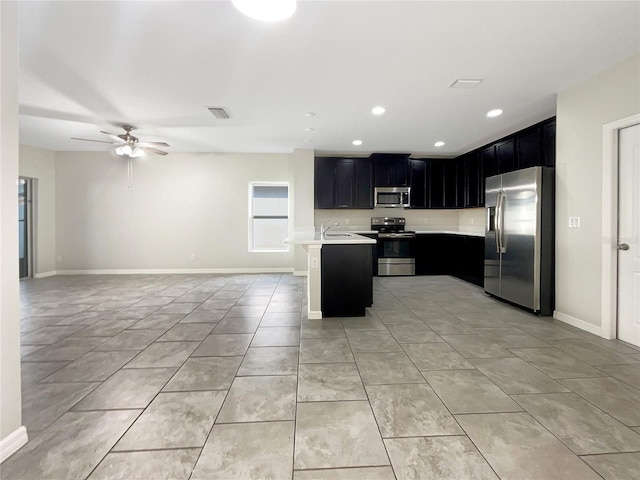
285 248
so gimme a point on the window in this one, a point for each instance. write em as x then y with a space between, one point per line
268 217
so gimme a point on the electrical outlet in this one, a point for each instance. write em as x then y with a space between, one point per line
314 262
193 257
574 222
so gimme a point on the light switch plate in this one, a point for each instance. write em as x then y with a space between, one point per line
574 222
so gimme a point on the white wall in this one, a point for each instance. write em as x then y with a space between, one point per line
40 165
582 111
178 205
10 392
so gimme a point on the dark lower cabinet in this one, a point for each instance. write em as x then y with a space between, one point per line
347 280
374 253
461 256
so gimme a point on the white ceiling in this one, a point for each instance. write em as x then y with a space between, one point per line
88 66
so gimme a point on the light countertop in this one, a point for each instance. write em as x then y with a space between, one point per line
330 238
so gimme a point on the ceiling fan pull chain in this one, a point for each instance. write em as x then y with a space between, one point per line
130 175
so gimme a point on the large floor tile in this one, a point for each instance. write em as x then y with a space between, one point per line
270 361
33 372
372 341
260 399
128 388
239 451
66 349
204 373
410 410
368 473
476 346
592 353
435 356
413 333
70 448
43 403
158 321
387 368
512 337
174 420
186 332
614 397
92 367
204 316
223 345
519 448
156 465
619 466
326 328
104 328
276 337
236 325
280 319
131 340
468 391
48 335
449 458
514 375
325 350
337 434
582 427
329 382
163 354
449 325
629 374
555 363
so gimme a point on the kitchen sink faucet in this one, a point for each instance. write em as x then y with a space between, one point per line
324 228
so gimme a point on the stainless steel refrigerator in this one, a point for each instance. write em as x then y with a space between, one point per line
519 238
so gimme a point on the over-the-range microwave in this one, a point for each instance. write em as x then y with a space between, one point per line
392 197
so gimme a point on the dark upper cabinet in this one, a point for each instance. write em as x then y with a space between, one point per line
364 183
549 143
451 197
437 184
325 173
345 191
505 156
473 180
390 169
419 183
528 151
488 161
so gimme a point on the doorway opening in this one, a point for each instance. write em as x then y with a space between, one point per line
25 226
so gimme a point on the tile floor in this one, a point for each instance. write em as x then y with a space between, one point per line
223 376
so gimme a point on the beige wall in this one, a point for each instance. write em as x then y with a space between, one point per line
10 392
582 111
303 171
177 206
40 165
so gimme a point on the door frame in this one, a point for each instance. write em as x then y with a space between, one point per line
610 151
30 225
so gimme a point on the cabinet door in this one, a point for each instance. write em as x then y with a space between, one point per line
399 172
450 184
437 184
488 161
390 170
505 156
419 183
528 147
549 143
364 183
324 182
474 183
345 193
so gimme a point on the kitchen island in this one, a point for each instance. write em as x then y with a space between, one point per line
340 276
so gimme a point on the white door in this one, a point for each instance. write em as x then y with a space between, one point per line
629 235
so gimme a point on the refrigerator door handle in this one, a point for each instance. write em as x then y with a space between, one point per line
499 222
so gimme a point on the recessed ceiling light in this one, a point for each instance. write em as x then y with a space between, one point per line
438 144
266 11
466 83
378 110
494 113
357 143
310 114
308 129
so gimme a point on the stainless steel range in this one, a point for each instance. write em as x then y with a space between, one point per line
394 247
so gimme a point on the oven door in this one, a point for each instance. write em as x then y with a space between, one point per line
395 255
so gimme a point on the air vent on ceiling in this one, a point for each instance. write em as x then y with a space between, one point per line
466 83
219 112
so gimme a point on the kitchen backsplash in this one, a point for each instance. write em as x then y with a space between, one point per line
471 219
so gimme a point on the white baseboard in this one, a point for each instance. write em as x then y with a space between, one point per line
154 271
576 322
12 443
314 315
45 274
300 273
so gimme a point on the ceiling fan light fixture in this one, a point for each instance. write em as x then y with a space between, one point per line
129 151
266 10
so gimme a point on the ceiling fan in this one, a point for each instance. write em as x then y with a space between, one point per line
128 145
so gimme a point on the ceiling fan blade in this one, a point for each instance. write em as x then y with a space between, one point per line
91 140
154 144
153 150
117 138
